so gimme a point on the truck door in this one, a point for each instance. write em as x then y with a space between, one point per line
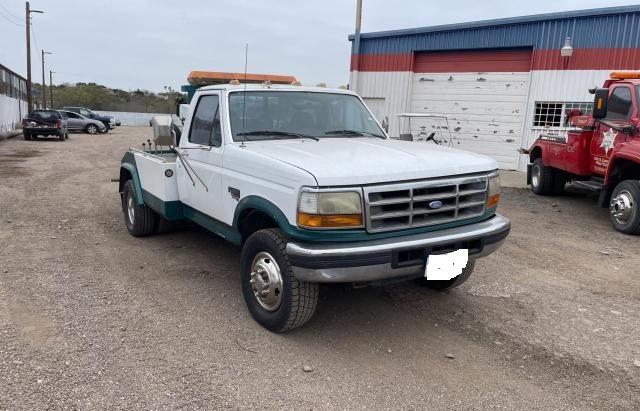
199 185
607 132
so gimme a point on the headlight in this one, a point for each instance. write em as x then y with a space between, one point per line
341 209
493 194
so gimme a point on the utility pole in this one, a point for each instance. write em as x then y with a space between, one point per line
44 85
51 88
28 12
356 47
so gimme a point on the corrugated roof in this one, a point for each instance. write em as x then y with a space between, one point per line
605 11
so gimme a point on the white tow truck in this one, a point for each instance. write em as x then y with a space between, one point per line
314 191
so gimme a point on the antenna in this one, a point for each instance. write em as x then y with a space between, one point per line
244 93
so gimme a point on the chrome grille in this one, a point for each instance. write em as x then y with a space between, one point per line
408 205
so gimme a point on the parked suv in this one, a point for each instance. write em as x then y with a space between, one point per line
78 122
106 120
45 123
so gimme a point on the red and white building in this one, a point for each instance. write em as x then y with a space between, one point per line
501 83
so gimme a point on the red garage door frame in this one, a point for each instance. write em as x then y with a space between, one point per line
473 61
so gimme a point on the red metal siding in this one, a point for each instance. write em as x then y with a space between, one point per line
513 60
588 59
381 62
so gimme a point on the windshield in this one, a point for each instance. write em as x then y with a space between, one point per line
274 115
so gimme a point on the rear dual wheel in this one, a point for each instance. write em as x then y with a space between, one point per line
140 220
546 180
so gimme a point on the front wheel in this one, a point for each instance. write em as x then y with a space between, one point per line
275 298
140 219
452 283
92 129
624 207
27 136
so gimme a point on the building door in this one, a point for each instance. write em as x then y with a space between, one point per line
483 93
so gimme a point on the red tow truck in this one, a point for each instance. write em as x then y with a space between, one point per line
601 155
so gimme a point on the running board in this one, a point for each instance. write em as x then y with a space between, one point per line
591 185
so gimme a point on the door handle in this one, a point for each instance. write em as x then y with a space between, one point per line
184 153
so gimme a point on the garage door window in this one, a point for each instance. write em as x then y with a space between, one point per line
555 114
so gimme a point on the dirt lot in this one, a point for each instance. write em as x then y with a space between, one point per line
92 317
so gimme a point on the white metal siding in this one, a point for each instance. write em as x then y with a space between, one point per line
393 86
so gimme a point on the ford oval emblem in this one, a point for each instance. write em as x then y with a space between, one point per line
434 205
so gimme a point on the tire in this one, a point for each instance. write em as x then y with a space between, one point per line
288 302
542 181
454 282
66 135
27 136
624 207
106 129
61 137
91 129
140 220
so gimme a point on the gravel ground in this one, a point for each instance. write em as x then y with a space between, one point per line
91 317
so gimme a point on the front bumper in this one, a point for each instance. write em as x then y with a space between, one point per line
393 257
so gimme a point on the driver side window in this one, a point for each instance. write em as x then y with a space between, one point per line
620 104
205 127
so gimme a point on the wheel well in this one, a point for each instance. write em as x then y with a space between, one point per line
624 170
535 154
125 175
253 220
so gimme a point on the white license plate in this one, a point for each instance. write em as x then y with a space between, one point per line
446 266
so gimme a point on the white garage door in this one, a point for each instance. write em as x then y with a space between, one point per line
482 92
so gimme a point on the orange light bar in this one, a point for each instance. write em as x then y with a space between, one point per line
621 75
493 201
329 220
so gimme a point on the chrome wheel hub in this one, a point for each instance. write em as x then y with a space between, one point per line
266 281
535 176
622 207
131 211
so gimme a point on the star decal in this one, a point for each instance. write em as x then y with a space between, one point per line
608 140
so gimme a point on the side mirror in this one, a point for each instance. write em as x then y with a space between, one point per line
600 102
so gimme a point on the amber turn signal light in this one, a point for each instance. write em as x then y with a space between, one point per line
493 201
329 220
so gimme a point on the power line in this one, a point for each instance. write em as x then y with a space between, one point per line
10 13
10 20
33 32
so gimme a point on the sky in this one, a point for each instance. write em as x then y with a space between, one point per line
150 44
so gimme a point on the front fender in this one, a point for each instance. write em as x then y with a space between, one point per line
261 204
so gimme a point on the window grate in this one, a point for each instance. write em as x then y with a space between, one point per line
554 114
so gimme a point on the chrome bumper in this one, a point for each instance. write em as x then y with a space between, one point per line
393 257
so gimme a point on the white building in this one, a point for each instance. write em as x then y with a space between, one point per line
500 83
13 99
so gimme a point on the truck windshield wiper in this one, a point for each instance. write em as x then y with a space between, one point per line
277 133
355 133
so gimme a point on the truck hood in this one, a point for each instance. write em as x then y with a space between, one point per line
356 161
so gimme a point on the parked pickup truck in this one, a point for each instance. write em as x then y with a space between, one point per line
45 123
602 155
311 187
